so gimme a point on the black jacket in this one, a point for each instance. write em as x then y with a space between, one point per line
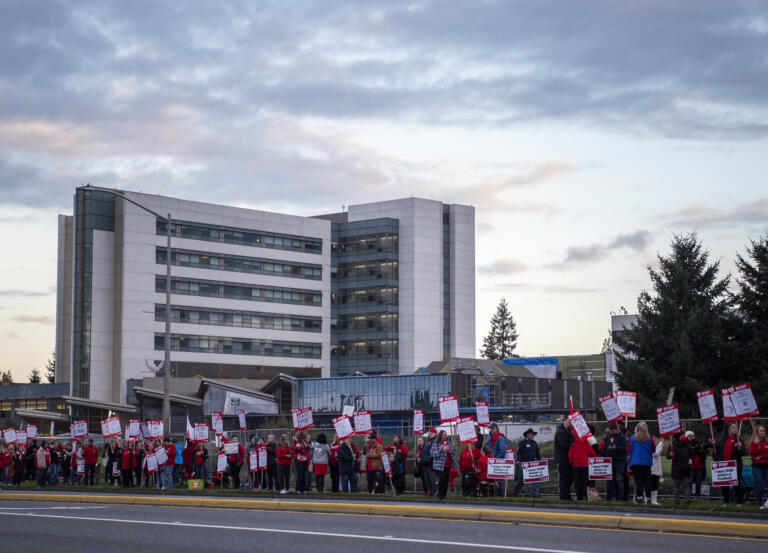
563 439
271 453
616 450
680 453
527 450
345 459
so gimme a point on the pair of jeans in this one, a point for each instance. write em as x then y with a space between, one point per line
234 471
283 477
353 481
580 477
642 474
519 486
375 481
614 488
442 482
53 474
41 474
685 483
90 473
167 476
564 480
334 469
127 478
760 475
697 477
200 471
301 476
468 484
431 477
345 483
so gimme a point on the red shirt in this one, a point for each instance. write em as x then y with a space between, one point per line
332 459
126 459
481 468
728 449
237 458
198 457
171 452
90 454
579 453
284 455
465 458
759 453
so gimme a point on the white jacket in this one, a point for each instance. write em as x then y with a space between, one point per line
656 466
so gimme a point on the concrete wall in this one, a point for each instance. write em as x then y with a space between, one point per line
462 244
64 289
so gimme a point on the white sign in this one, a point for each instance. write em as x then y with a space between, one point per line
724 473
241 419
483 416
231 448
363 423
600 468
466 428
151 463
579 425
707 407
743 401
114 426
201 432
253 461
729 411
31 431
509 455
304 419
161 456
418 421
627 402
79 429
234 402
21 436
263 458
343 427
348 410
610 408
221 463
217 423
669 420
155 428
535 471
134 428
449 408
385 464
501 469
80 468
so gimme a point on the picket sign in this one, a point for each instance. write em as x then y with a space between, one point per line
217 422
600 468
31 431
79 429
201 432
509 455
348 410
385 465
724 473
134 428
9 434
115 470
111 427
449 408
729 411
418 421
262 457
343 427
707 407
80 468
466 429
483 415
155 428
501 469
151 463
253 461
303 419
743 401
610 408
363 423
241 419
221 463
21 436
231 448
627 402
535 471
161 456
669 420
579 425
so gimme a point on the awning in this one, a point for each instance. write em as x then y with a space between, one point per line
104 405
175 398
42 415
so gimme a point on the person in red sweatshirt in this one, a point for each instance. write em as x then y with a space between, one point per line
467 461
758 450
235 461
126 464
578 456
284 456
481 470
91 457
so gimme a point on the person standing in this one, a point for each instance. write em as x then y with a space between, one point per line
235 461
199 461
300 458
656 471
578 457
178 462
426 463
615 447
467 461
698 461
527 450
399 455
758 451
345 460
481 469
563 440
333 464
498 444
373 460
284 456
126 465
269 480
680 453
419 468
443 460
641 448
54 452
170 464
730 448
42 460
321 454
91 457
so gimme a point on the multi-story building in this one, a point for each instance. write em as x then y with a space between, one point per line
383 287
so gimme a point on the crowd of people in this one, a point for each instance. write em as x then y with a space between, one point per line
297 464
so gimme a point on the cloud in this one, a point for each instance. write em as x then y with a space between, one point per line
637 241
11 334
700 216
547 288
39 319
504 266
25 293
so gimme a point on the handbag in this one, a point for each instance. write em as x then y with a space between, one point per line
592 494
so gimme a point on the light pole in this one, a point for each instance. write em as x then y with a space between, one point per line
167 340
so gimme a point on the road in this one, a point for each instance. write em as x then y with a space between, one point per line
116 528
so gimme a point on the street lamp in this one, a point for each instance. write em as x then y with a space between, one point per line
167 341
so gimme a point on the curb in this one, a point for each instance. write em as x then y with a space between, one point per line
614 522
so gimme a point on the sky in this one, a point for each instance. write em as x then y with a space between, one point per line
586 134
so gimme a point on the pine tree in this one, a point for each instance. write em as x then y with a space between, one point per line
751 319
50 368
681 334
501 340
34 377
6 377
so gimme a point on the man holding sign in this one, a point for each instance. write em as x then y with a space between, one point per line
528 452
729 447
497 442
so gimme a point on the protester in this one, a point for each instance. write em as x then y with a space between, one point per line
615 447
758 451
527 450
563 440
374 467
333 464
235 462
54 451
345 459
126 465
307 472
579 453
178 462
399 454
641 447
426 464
729 448
656 471
320 457
467 461
199 463
284 456
698 461
481 469
443 457
66 463
498 444
139 454
419 468
42 460
300 458
680 453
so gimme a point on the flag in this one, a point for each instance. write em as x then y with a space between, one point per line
190 430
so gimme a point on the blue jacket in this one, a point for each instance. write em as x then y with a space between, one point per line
499 449
426 452
641 453
179 460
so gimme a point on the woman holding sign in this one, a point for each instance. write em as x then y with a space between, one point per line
321 455
443 460
729 448
758 450
641 448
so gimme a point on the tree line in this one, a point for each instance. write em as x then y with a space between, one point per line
35 376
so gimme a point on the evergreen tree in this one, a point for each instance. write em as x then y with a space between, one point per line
34 377
50 368
501 340
681 336
6 377
751 319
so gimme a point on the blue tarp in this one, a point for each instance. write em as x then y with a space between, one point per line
530 361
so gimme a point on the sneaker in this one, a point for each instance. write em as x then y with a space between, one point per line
283 492
425 493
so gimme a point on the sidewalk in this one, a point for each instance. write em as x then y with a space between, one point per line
689 523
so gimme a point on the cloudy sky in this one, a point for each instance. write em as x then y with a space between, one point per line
585 133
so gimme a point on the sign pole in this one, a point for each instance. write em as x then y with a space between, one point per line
711 431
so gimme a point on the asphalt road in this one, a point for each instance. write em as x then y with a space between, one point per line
116 528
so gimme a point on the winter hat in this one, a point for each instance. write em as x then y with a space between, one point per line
689 434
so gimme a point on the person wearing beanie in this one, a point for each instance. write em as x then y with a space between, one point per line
426 462
680 453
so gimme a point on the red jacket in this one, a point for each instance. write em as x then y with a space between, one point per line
126 459
237 458
579 453
332 458
90 455
171 452
284 455
759 454
465 458
481 468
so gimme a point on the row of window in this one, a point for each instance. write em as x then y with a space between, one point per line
366 321
378 295
243 237
366 348
384 242
233 290
239 346
240 264
376 269
245 319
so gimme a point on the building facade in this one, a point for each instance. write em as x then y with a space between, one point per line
381 288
